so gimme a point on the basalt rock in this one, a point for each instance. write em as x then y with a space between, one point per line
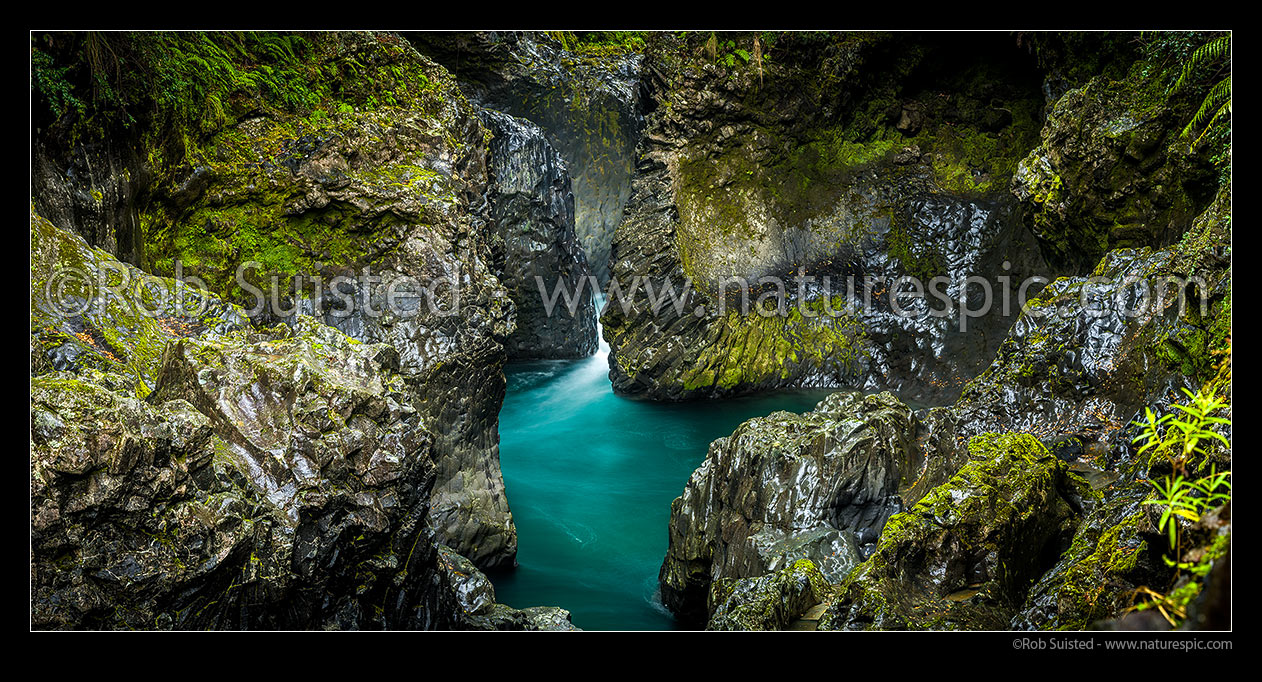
272 479
768 602
533 211
751 175
94 188
786 487
379 208
1111 172
964 556
91 313
469 597
586 101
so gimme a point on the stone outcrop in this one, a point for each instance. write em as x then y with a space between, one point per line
750 171
381 211
964 556
193 471
769 602
786 487
470 600
533 211
587 101
1111 172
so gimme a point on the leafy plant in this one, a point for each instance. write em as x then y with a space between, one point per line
1182 439
1182 498
1217 102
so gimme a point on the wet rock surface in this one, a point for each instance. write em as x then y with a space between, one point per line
470 599
1110 172
587 103
745 173
272 479
788 487
769 602
532 207
964 556
396 192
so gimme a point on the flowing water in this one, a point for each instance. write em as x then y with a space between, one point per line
590 477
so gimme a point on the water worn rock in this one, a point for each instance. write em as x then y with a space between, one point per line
92 313
275 479
545 270
753 175
768 602
787 487
93 188
378 204
964 556
469 598
586 99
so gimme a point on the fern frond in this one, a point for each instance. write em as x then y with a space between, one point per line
1226 108
1214 49
1213 102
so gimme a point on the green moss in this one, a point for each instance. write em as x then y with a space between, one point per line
747 350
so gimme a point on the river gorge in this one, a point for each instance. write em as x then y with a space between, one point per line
623 330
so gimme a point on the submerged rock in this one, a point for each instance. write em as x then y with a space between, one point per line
787 487
533 211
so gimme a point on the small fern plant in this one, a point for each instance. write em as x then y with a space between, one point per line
1217 102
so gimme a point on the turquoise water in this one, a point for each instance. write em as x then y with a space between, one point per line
590 477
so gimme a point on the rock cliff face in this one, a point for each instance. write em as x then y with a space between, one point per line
241 479
787 487
1034 467
533 210
381 213
586 100
1109 172
762 171
1060 503
197 470
965 555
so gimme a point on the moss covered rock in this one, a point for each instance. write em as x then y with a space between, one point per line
274 479
798 165
769 602
1111 172
964 556
92 314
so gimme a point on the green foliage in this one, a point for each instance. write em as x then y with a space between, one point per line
1179 497
1181 439
1217 102
600 43
52 83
